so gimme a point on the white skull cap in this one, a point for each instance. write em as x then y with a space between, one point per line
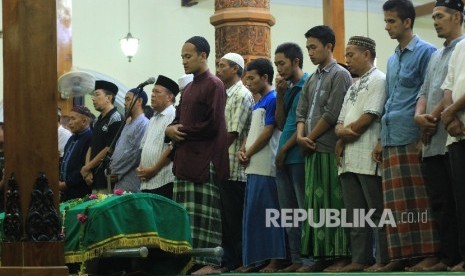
238 59
185 80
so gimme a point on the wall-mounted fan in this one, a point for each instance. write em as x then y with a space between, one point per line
75 84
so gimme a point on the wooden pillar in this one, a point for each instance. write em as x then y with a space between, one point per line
333 16
64 48
30 102
243 27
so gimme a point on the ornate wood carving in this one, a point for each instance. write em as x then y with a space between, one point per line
43 223
30 83
243 27
12 228
246 40
224 4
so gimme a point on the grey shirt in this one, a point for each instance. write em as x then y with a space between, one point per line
431 90
126 157
322 97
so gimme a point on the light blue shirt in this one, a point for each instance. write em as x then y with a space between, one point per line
405 74
431 90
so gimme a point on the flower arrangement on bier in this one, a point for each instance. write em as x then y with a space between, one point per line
84 216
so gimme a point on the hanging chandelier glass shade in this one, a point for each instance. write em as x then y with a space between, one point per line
129 44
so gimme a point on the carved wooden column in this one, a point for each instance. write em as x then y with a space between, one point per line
333 16
30 99
243 27
64 47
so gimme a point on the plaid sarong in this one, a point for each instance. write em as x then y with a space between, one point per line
323 191
404 193
202 203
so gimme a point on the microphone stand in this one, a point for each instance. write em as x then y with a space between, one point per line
106 159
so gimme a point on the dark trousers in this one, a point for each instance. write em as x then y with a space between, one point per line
438 180
165 190
232 206
457 161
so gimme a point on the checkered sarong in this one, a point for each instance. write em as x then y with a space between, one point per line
404 193
202 202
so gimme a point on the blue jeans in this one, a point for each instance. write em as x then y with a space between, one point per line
290 182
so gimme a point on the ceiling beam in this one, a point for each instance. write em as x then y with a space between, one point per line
424 9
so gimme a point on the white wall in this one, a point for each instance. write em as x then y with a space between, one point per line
163 25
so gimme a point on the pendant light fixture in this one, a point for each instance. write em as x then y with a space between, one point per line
129 44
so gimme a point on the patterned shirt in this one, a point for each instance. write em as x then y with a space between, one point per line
431 90
153 146
455 82
405 74
238 113
366 95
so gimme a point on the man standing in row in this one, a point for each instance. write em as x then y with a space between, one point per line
156 169
72 184
238 113
453 118
290 169
201 150
448 19
104 132
404 189
358 130
317 114
126 156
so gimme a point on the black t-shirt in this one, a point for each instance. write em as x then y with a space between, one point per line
104 131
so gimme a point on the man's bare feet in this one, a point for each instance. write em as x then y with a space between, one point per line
425 263
247 269
460 267
374 268
393 266
273 266
316 267
337 265
206 270
291 268
353 267
437 267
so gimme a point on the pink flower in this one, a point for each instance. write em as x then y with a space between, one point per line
82 218
93 196
118 192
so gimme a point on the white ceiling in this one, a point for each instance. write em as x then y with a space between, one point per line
357 5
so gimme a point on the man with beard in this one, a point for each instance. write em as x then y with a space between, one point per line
126 155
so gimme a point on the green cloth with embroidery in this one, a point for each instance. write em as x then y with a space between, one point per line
125 221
